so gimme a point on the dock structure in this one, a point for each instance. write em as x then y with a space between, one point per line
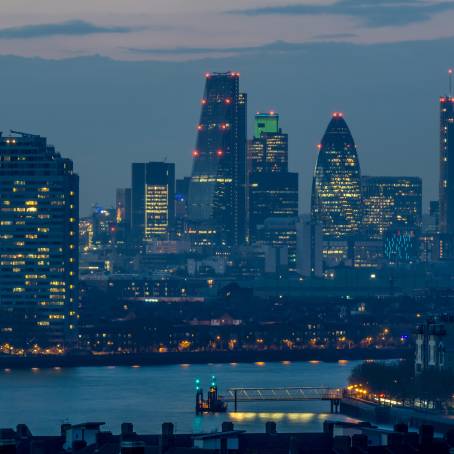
213 403
291 394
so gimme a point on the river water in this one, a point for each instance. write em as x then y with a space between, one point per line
148 396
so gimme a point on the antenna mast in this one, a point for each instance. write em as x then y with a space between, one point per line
450 82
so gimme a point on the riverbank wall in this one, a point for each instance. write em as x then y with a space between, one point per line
385 415
154 359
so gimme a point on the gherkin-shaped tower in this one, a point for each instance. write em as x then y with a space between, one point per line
336 187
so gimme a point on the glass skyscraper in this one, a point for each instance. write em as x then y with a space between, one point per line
391 202
153 200
217 191
39 217
446 225
336 187
273 190
268 150
271 195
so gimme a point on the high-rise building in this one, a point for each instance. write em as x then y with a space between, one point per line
447 165
217 191
273 190
39 215
271 195
336 187
123 215
153 200
268 150
391 202
266 123
103 222
181 205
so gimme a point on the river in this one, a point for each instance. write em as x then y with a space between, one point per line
150 395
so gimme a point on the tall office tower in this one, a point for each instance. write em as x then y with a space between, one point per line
123 214
39 211
336 186
271 195
153 201
268 150
391 202
217 191
273 190
447 163
181 205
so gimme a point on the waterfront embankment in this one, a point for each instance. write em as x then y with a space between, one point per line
391 415
220 357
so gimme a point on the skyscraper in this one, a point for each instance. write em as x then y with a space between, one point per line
391 202
181 205
153 200
336 187
122 215
39 215
271 195
268 150
217 191
273 190
447 164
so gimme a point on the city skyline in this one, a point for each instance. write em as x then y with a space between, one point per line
256 191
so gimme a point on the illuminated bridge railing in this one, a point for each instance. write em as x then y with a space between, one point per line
282 394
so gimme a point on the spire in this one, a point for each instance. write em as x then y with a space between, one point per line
450 82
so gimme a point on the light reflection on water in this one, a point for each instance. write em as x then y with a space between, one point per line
149 396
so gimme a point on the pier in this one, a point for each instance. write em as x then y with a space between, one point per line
291 394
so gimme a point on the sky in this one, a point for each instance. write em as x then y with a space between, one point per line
113 81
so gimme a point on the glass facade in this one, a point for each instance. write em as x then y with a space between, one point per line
268 150
217 191
266 123
391 202
271 195
153 200
39 216
336 188
446 165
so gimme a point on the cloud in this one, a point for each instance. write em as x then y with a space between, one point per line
69 28
373 13
276 46
336 36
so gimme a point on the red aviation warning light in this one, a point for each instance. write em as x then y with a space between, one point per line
207 75
319 146
224 126
195 153
204 101
228 101
338 114
199 127
220 153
